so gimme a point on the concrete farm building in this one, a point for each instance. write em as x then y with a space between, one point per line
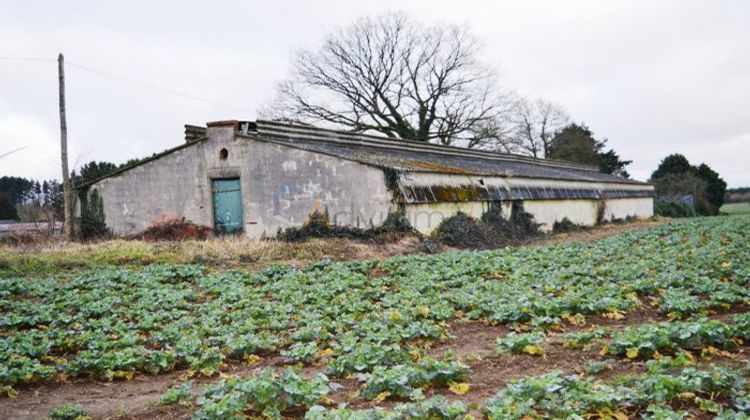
260 176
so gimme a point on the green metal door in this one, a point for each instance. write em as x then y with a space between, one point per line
227 205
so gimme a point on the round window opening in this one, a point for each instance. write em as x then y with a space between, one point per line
223 154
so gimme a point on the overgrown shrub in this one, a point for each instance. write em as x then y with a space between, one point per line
395 222
27 238
601 212
429 245
494 215
318 225
672 209
92 217
522 221
463 231
492 230
173 229
565 226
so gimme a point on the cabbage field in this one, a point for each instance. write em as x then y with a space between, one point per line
646 324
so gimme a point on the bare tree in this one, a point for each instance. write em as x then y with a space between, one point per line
535 124
391 75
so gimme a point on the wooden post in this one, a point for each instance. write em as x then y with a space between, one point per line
67 187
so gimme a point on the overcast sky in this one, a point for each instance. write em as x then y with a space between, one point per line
654 77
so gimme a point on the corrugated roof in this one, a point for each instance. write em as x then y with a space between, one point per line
416 156
404 155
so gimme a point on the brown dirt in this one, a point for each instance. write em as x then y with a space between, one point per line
469 338
471 342
99 399
642 314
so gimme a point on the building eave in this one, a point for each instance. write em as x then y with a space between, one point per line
151 158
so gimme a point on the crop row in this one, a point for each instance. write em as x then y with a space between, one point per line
642 341
111 323
666 384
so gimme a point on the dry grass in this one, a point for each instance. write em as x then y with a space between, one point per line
55 255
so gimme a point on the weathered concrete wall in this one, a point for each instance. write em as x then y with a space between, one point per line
285 185
620 208
170 186
426 217
280 186
547 212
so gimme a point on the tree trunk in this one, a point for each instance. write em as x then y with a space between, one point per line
67 187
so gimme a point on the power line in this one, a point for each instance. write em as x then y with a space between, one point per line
12 151
131 81
154 87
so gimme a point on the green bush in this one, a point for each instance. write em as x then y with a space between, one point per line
402 380
92 217
672 209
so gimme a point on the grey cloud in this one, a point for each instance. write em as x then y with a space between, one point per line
653 77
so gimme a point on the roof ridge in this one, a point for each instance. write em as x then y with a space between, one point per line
319 134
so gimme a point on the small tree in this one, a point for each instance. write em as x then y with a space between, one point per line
91 171
574 143
7 208
716 187
611 163
676 176
672 164
92 216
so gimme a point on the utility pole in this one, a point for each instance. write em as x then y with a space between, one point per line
67 188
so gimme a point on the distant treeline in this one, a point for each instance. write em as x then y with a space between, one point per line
738 195
30 200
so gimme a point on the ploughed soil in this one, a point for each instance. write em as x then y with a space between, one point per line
472 342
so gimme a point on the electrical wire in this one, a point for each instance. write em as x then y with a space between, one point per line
12 151
132 81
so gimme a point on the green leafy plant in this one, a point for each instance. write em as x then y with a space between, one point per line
648 339
69 411
402 380
525 343
178 394
267 393
581 339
